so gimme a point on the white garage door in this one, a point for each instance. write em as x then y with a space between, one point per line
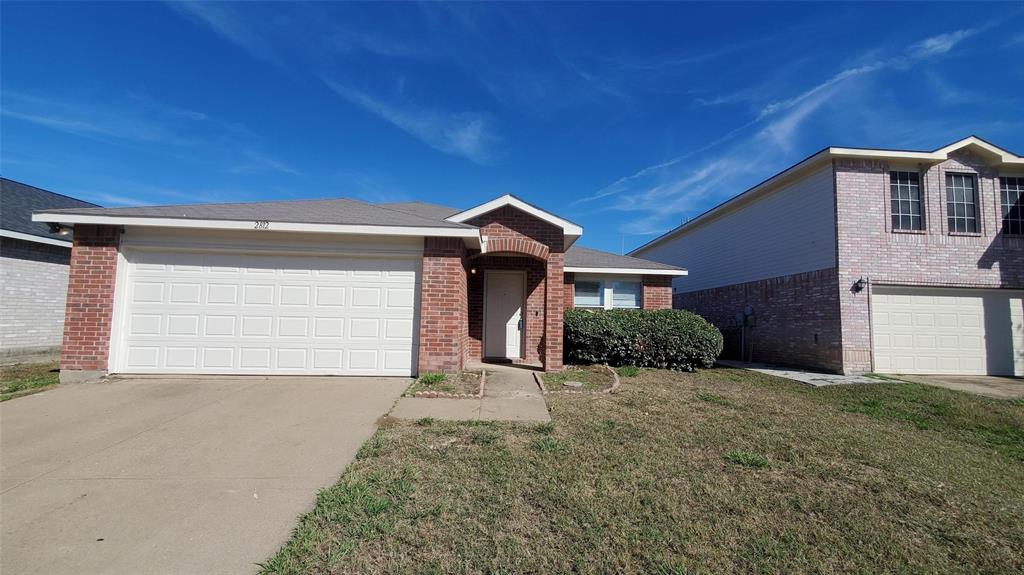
188 312
948 331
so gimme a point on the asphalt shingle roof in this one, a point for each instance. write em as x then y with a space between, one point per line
579 257
18 201
333 211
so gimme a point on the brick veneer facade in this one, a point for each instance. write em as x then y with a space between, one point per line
533 314
796 317
657 292
443 306
868 248
90 301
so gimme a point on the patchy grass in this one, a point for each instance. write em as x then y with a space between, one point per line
593 377
25 378
746 459
465 382
628 371
659 479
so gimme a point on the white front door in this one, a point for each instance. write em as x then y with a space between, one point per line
237 313
503 314
948 331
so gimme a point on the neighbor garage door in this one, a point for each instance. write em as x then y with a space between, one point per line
948 331
193 312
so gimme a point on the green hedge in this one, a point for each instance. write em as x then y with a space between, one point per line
665 338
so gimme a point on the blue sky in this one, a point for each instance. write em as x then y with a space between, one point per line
626 118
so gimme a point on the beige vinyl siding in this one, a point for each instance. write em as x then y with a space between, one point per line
788 231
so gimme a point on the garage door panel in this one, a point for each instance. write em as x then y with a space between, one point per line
947 330
233 313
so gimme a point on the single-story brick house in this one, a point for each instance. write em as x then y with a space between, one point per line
33 270
858 260
336 286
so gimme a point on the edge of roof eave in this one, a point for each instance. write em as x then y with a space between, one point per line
569 228
626 270
34 238
213 224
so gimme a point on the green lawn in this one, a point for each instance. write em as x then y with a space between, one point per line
24 378
720 471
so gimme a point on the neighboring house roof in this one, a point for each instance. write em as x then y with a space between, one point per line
18 201
588 260
997 156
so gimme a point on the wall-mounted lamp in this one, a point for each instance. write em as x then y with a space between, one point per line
859 285
59 229
472 271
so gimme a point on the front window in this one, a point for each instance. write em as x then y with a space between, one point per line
626 294
1011 193
589 294
905 197
608 293
961 203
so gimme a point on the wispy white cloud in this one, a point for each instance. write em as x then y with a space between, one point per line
466 134
940 44
661 193
229 25
1015 40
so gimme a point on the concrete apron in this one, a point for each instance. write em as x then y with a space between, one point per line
510 394
182 475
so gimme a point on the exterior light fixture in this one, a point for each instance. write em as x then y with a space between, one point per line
472 271
859 285
59 229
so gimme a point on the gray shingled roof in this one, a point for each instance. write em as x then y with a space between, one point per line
579 257
18 201
335 211
423 209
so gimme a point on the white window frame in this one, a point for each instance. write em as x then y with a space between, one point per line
608 288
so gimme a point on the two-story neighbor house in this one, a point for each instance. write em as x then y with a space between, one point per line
332 287
858 260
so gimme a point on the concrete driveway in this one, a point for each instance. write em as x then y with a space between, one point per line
988 385
200 475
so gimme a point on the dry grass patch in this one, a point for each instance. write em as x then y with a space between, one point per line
717 471
466 382
594 377
25 378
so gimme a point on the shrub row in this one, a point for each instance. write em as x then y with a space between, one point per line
664 338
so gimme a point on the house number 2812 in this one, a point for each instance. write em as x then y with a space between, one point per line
262 225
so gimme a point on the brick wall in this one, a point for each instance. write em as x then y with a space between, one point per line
657 292
569 290
33 287
90 299
555 308
869 248
510 223
443 306
796 318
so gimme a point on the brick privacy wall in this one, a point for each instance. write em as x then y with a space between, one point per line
657 292
790 311
533 314
443 306
90 298
867 246
33 288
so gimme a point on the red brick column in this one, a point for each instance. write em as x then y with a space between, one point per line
554 306
90 303
569 290
443 306
657 292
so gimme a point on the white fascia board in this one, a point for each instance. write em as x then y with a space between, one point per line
627 271
360 229
568 228
32 238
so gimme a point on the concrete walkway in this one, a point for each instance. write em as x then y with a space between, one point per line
817 379
510 394
988 385
185 475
